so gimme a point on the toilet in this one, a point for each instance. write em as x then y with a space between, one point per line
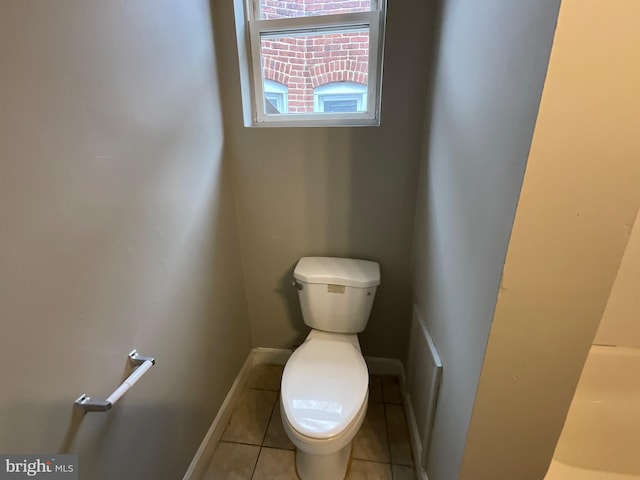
325 383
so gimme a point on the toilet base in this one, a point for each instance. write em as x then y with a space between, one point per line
323 467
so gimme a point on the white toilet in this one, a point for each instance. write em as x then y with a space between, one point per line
325 384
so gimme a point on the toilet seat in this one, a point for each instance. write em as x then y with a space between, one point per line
324 386
321 446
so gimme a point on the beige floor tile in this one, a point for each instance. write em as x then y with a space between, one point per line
375 389
402 472
250 417
391 390
276 436
232 461
361 470
266 377
370 443
399 443
276 464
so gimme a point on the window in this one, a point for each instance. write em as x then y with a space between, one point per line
310 62
340 97
275 97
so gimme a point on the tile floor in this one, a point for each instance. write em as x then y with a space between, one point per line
254 445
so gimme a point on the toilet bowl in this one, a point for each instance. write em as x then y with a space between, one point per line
325 381
323 402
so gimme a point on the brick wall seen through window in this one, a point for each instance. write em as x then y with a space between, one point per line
303 62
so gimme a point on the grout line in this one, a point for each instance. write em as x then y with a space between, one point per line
263 389
255 465
264 437
372 461
239 443
266 430
386 429
406 423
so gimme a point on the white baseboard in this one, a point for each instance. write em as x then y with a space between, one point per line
414 434
395 367
257 356
391 366
201 460
274 356
424 374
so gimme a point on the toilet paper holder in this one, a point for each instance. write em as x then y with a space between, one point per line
141 365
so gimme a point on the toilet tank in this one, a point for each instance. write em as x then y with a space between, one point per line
336 294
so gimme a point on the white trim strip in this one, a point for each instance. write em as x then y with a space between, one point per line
198 466
273 356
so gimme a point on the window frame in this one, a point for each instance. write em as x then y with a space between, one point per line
281 90
374 20
340 91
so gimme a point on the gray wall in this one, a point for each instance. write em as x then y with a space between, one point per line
490 64
331 191
117 231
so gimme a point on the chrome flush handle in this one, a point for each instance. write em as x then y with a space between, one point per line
298 285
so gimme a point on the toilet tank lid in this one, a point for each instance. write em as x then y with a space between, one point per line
338 271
